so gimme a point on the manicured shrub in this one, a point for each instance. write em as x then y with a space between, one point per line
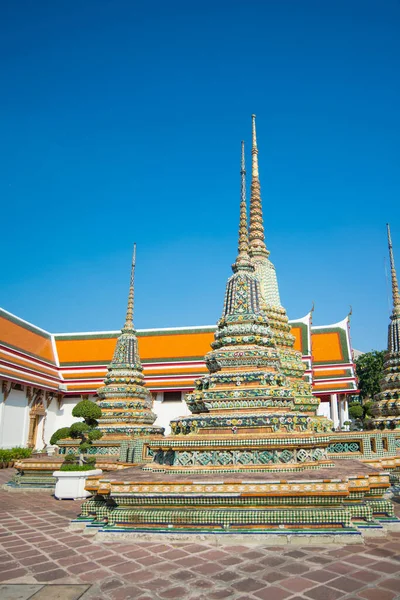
73 467
85 430
60 434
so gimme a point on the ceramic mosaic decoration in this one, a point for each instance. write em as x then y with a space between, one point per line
386 408
125 403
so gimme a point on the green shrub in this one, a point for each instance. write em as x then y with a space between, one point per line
356 411
87 410
18 453
71 458
77 429
5 457
58 435
69 467
84 430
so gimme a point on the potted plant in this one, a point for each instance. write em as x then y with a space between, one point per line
71 478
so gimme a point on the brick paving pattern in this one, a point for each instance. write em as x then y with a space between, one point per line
36 548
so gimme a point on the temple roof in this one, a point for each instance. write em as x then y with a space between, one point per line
172 358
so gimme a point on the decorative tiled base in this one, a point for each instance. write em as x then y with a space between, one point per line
350 505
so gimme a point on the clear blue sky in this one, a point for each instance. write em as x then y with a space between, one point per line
121 121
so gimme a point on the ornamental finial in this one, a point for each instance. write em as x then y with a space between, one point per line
243 259
129 311
256 232
395 286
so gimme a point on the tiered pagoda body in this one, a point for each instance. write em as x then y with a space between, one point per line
125 402
254 405
256 383
386 408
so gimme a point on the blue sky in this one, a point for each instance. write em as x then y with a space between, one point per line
121 121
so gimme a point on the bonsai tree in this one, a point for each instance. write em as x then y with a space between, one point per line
360 413
86 431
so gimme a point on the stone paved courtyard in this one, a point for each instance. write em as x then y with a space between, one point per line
41 559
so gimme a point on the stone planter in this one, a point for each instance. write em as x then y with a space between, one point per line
71 484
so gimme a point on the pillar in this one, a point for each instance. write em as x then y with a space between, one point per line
344 410
334 410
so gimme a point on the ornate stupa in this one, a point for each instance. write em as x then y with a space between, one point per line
386 408
249 389
125 403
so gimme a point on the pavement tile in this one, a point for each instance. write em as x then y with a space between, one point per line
296 554
378 594
347 584
322 592
272 593
175 592
109 561
73 559
297 584
125 567
341 568
272 561
391 583
16 591
94 576
60 592
12 574
361 560
230 561
220 594
366 575
185 575
192 561
201 583
42 567
214 555
129 592
111 584
227 576
174 554
273 576
82 567
294 568
208 569
248 585
384 566
252 567
51 575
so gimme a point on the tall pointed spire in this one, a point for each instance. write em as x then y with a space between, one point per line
259 254
243 258
395 285
129 326
256 232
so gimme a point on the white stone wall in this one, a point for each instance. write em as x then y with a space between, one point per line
166 411
324 408
14 419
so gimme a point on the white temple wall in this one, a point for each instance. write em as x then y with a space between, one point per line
167 410
14 416
324 409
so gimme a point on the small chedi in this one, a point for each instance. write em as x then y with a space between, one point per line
126 404
386 408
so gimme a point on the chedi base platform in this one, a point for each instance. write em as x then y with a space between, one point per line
347 499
